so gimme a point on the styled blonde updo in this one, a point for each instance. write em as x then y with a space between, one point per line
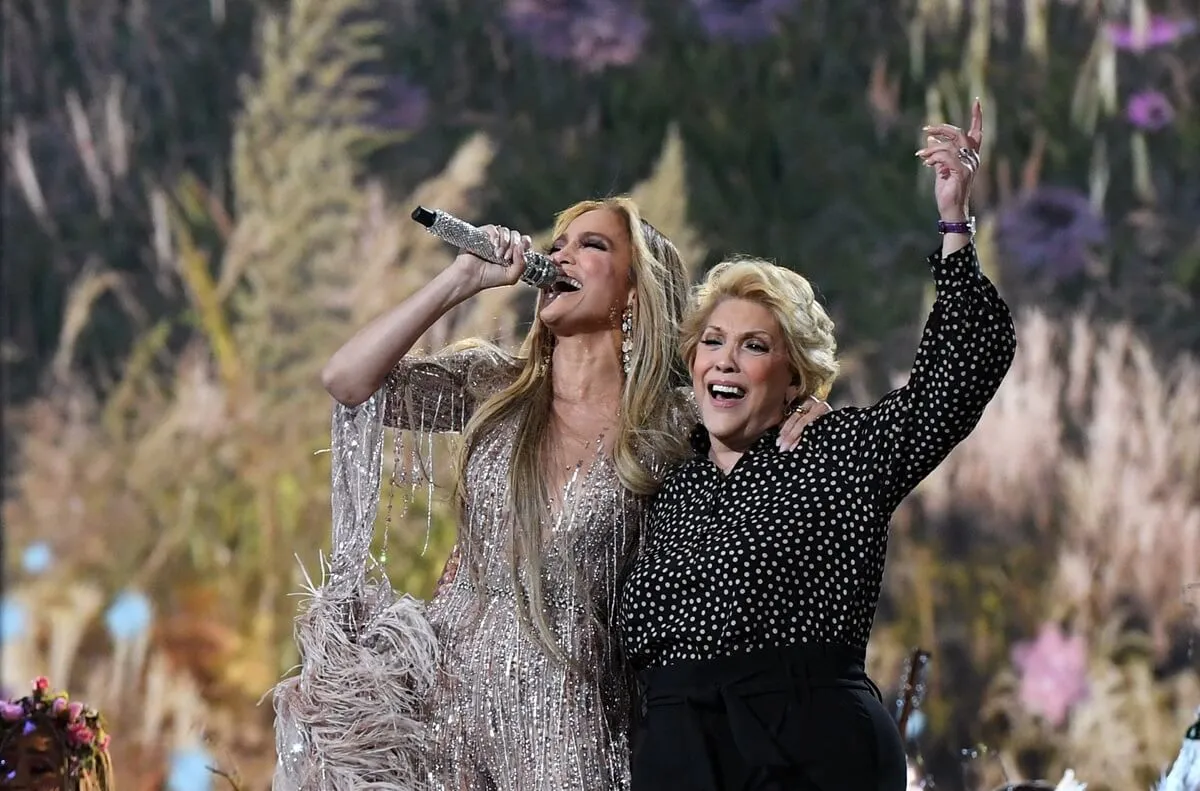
807 328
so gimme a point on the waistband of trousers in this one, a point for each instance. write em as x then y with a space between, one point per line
816 664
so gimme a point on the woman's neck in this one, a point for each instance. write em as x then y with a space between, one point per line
586 369
722 455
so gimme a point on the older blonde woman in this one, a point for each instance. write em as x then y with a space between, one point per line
749 609
563 445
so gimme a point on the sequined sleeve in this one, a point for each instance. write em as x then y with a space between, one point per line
439 393
965 351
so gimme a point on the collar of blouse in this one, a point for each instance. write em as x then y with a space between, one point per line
701 443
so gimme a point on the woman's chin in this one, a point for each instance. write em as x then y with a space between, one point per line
734 428
566 320
551 310
724 428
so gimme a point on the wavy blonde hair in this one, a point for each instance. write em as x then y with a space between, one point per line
807 328
645 441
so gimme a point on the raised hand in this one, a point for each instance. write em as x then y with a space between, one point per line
954 156
510 247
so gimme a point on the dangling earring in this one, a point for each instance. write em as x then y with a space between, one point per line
627 339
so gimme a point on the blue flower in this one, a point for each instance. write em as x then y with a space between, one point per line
12 621
742 22
189 770
129 616
916 725
1051 230
37 558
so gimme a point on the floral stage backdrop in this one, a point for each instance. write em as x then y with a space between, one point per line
204 199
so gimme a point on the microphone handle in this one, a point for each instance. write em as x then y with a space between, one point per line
539 272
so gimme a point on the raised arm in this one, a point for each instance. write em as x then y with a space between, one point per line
363 364
968 342
965 351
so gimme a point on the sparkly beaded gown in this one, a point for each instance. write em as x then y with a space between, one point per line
506 715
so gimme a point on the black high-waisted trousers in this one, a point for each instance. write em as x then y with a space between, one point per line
803 718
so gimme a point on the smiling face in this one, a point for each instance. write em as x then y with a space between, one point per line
741 374
595 254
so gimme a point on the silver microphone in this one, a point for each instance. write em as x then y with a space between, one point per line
540 271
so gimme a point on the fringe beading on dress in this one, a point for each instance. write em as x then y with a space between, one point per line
498 713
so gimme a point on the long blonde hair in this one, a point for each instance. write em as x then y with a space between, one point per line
644 441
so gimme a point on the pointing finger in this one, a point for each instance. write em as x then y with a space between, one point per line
975 134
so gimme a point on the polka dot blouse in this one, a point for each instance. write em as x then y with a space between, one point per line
789 547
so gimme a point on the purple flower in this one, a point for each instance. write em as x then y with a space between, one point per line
1053 670
1149 110
403 105
1160 32
594 34
11 712
1051 229
741 21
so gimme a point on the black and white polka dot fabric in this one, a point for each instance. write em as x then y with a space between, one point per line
789 547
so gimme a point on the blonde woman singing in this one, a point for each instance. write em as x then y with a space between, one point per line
563 445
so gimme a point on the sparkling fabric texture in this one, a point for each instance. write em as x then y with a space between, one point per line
368 657
539 271
506 716
789 547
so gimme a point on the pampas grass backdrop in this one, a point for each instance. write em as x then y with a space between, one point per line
204 200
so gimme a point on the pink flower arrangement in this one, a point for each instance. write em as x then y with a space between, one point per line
1053 671
81 727
79 734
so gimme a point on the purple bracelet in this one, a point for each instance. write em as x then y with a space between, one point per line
967 227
